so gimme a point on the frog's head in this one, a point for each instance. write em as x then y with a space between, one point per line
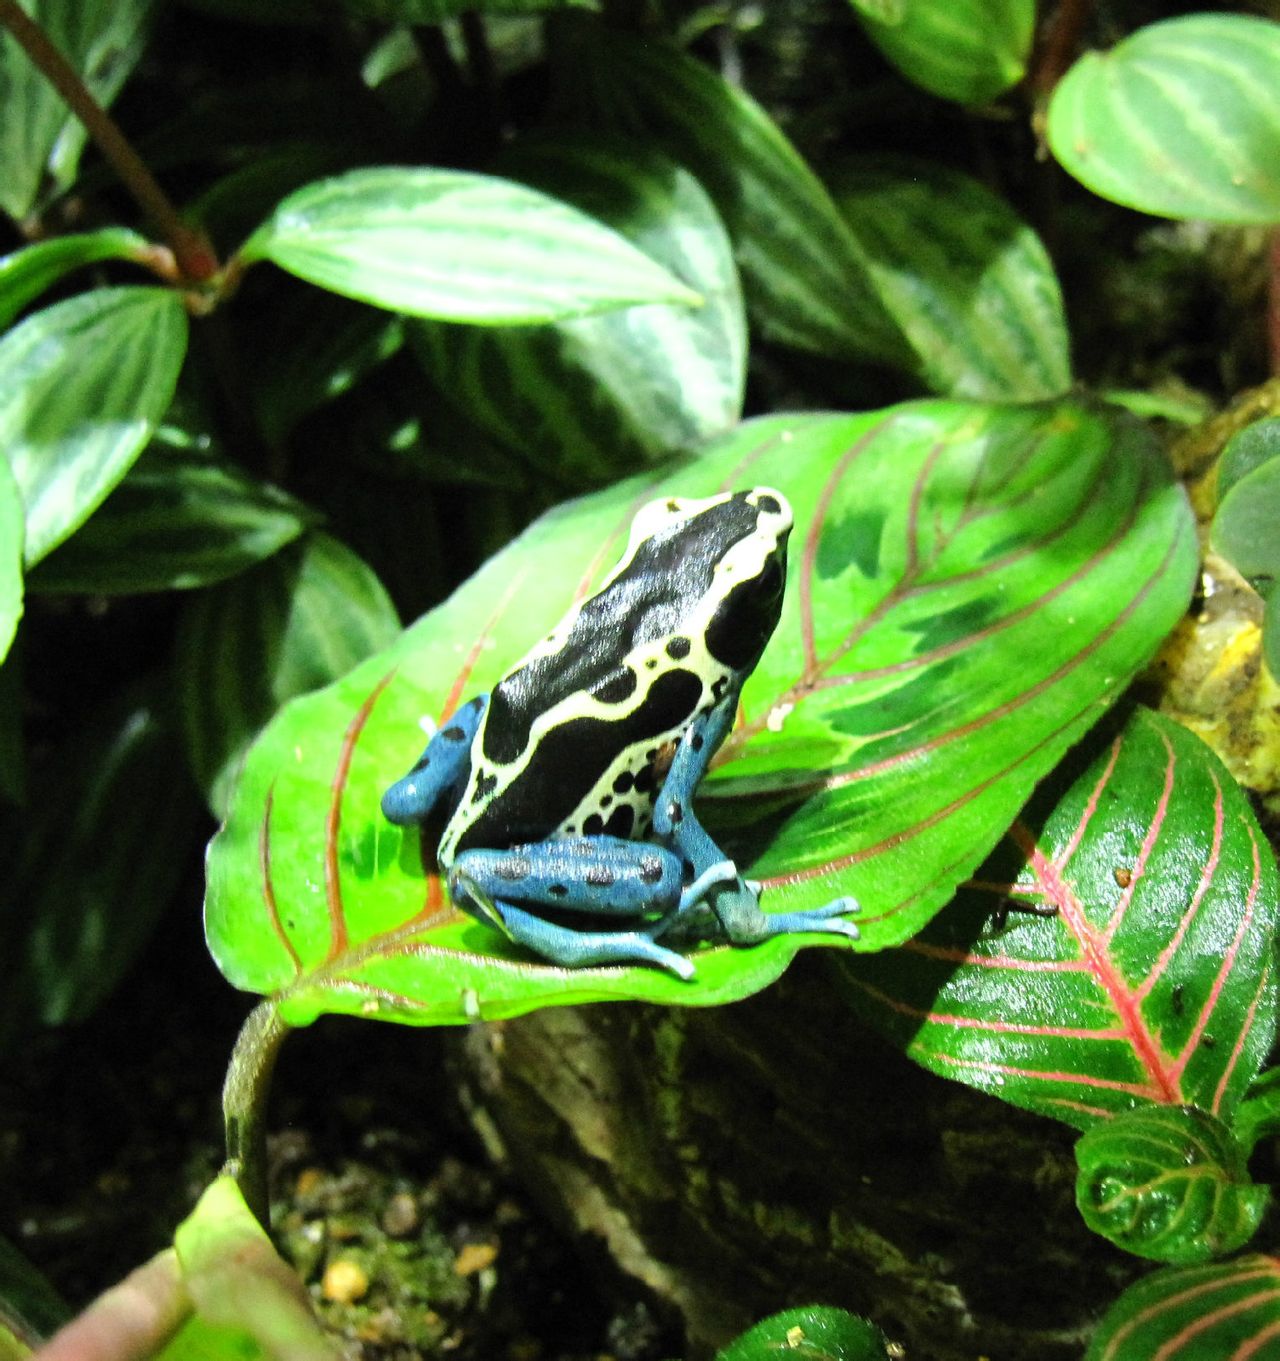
749 577
717 565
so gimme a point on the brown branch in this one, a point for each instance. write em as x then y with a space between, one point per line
1058 45
195 260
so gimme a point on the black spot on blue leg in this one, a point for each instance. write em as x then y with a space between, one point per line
599 877
516 868
453 733
558 891
651 869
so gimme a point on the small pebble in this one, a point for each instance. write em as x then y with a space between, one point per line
400 1216
474 1257
344 1282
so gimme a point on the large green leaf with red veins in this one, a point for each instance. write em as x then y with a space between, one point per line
969 587
1152 982
1230 1310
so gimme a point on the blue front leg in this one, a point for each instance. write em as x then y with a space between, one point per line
603 876
441 771
736 905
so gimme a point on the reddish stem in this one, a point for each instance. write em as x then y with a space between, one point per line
195 260
1058 45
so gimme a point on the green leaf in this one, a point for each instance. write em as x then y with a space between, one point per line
178 520
966 50
86 383
457 246
969 283
1182 119
11 521
26 273
954 621
812 1333
297 622
1246 450
1168 1183
40 139
1195 1313
595 397
1152 982
109 833
805 274
240 1286
1244 529
885 11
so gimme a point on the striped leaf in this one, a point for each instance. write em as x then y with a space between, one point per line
1181 119
457 246
109 833
27 272
11 516
1168 1183
1195 1313
86 382
40 139
966 50
1146 975
805 276
297 622
954 620
176 521
971 285
597 397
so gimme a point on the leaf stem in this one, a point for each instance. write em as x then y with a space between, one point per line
194 259
244 1104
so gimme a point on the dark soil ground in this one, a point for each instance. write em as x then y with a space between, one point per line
411 1242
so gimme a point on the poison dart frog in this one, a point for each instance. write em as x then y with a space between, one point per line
566 794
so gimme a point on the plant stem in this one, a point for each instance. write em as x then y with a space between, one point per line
196 262
244 1104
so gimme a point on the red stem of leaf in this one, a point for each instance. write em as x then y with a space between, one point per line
194 258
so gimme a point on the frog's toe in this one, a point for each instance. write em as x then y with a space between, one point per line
829 919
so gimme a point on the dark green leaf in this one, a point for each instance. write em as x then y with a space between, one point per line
26 273
457 246
805 275
1168 1183
299 621
971 285
947 635
812 1333
176 521
1152 982
967 50
109 833
1195 1313
596 397
1181 119
437 11
40 139
86 382
30 1308
11 530
316 347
